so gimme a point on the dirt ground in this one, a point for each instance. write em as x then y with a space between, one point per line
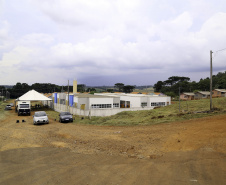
188 152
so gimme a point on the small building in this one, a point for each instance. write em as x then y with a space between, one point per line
187 96
219 93
89 101
202 94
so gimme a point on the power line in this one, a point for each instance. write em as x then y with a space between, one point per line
216 52
220 50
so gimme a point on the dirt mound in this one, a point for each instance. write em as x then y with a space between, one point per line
174 153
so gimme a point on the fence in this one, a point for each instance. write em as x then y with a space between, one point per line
94 112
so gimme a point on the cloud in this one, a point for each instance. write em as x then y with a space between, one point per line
4 29
135 40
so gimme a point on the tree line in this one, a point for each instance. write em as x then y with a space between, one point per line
171 86
21 88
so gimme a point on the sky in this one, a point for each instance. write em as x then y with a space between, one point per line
103 42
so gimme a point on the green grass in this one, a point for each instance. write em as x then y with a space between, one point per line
3 112
166 114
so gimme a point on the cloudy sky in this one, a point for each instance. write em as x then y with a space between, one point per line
103 42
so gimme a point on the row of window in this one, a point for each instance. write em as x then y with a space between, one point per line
144 104
116 105
100 106
154 104
158 104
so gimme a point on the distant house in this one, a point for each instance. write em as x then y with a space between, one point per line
202 94
187 96
219 93
159 94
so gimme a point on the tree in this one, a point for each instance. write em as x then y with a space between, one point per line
193 86
91 90
204 85
81 88
128 88
119 86
175 79
158 86
110 90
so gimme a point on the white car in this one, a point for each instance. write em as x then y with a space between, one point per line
8 107
40 117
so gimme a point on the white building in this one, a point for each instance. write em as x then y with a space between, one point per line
140 100
106 104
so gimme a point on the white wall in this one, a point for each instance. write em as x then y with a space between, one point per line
82 101
100 101
160 99
75 99
94 112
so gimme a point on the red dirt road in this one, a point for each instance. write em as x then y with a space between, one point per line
189 152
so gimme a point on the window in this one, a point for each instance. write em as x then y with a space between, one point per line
40 114
62 101
24 105
100 106
115 105
144 104
157 104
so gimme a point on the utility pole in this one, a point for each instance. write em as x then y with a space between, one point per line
211 70
68 95
179 99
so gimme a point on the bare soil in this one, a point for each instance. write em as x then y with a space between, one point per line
188 152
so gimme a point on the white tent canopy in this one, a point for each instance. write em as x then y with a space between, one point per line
33 95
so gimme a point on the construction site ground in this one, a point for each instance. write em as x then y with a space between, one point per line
179 153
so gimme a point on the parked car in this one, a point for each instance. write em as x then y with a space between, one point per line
12 104
40 117
8 107
65 117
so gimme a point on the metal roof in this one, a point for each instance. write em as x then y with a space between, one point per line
189 93
90 96
221 90
204 92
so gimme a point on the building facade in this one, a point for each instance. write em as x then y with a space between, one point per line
202 94
219 93
106 104
187 96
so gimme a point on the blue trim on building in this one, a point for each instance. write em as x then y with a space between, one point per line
71 100
55 97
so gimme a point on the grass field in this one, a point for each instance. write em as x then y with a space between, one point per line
188 110
3 113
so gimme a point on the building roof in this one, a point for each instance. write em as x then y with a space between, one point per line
33 95
221 90
90 96
189 93
47 94
204 92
